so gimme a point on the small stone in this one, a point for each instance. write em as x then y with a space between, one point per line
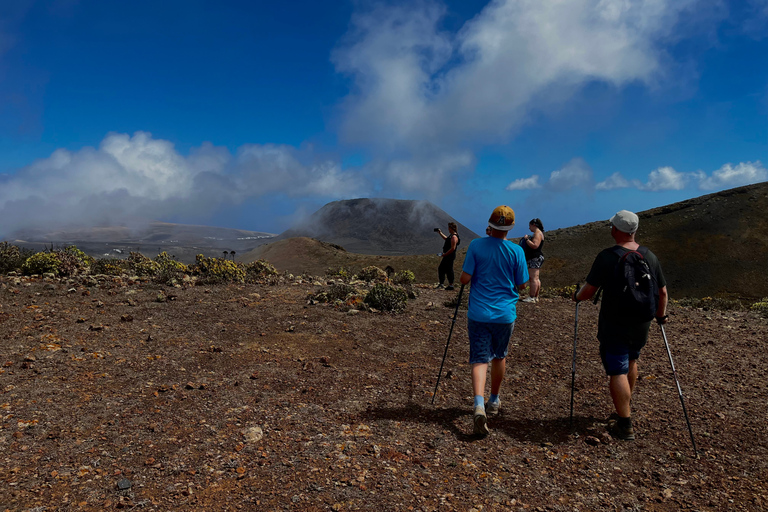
253 434
124 484
126 318
592 440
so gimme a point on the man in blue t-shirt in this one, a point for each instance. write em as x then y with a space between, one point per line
497 270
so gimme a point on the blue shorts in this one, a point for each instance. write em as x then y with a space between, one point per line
616 358
488 341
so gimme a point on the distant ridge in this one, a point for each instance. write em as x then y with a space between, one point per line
380 226
712 245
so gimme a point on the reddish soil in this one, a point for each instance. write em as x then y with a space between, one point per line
246 398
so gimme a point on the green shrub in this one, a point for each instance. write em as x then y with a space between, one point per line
140 265
12 257
167 268
564 291
73 261
387 298
109 266
217 270
41 263
711 303
336 292
258 270
761 307
339 273
371 274
403 277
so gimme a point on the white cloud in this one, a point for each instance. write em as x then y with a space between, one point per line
141 177
614 181
729 176
525 183
665 178
576 173
417 88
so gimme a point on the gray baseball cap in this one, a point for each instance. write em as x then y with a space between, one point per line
625 221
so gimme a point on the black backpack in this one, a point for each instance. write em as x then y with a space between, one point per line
634 286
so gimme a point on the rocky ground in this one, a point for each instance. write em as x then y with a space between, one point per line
128 395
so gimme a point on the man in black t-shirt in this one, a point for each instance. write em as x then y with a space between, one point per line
621 339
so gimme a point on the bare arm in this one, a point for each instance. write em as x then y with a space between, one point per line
585 293
535 242
465 278
453 246
661 311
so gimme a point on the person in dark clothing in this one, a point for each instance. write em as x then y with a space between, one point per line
448 256
534 257
621 339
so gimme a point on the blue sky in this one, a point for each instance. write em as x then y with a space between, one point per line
254 114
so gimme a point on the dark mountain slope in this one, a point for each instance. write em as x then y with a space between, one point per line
380 226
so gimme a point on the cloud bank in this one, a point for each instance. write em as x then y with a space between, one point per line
421 92
138 177
578 174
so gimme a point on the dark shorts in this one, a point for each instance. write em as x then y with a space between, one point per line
536 262
616 357
488 341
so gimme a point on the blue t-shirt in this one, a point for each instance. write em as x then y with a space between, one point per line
497 267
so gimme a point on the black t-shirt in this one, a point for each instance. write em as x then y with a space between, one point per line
447 245
612 328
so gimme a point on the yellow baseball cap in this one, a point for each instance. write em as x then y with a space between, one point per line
502 218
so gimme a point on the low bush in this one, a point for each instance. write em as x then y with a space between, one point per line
564 291
711 303
372 274
336 292
403 277
140 265
41 263
12 257
73 261
168 269
387 298
761 307
109 266
338 273
258 270
217 270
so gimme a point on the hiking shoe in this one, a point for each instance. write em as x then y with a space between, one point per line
439 286
449 287
529 299
618 432
480 421
492 408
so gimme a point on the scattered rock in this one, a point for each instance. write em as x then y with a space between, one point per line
592 440
253 434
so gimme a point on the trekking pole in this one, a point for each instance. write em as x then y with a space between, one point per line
453 322
679 390
573 362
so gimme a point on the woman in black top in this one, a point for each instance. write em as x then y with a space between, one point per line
532 245
448 255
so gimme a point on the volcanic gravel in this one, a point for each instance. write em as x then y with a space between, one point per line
129 395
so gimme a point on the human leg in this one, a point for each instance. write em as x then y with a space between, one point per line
632 375
498 368
450 276
617 366
621 394
534 282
